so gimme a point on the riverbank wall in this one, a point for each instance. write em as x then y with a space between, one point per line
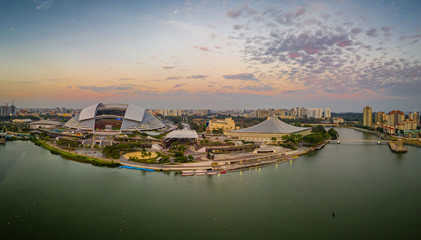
79 157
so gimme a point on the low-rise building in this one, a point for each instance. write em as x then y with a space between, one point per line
45 124
388 129
407 124
337 120
225 125
27 120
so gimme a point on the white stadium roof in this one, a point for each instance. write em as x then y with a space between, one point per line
130 117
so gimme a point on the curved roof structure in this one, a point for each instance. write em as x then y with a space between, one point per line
114 118
184 133
272 125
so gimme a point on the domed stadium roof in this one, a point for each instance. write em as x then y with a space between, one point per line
272 125
114 118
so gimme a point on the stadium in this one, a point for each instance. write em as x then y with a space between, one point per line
114 118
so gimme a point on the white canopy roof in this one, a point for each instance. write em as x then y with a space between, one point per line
182 134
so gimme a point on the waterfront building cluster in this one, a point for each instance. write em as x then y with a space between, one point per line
129 134
391 122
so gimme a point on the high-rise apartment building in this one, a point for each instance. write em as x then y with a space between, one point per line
380 117
395 117
367 116
328 113
314 112
7 110
415 116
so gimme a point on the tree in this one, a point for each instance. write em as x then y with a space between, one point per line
182 148
319 129
297 124
190 157
314 138
333 134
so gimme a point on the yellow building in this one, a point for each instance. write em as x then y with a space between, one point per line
407 124
225 125
388 129
380 117
367 116
415 116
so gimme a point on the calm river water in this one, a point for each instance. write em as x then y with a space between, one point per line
374 193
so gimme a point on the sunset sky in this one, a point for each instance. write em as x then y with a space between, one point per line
212 54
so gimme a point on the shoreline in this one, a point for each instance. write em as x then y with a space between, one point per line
404 141
220 165
70 155
235 165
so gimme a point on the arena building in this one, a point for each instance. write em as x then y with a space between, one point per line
272 129
114 118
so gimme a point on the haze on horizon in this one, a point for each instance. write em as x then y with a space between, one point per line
212 54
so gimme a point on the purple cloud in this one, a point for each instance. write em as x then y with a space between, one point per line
241 76
372 32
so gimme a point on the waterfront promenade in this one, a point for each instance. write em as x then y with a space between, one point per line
395 146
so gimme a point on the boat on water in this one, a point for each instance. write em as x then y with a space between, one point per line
224 172
212 173
200 173
187 174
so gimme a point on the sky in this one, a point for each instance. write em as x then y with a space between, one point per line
342 54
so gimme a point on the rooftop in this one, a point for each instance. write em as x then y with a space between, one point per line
272 125
184 133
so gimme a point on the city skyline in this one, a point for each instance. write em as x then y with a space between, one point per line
212 55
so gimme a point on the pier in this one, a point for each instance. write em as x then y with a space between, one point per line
397 147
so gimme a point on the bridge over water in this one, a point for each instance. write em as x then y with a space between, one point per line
358 140
395 147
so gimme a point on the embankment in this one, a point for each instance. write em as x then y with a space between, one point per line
102 162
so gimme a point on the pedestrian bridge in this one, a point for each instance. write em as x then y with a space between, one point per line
358 140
